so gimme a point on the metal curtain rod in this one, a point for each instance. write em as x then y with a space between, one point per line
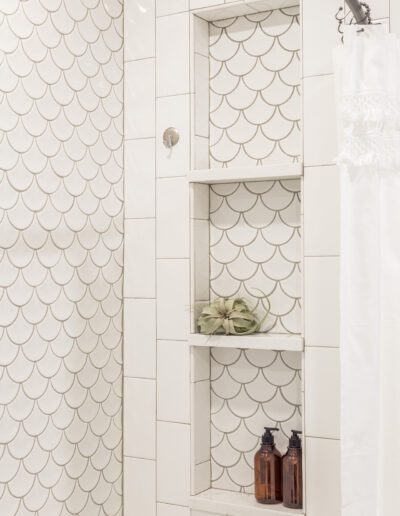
360 15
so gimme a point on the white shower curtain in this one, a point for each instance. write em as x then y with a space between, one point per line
368 87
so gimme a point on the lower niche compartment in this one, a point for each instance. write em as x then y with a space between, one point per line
235 394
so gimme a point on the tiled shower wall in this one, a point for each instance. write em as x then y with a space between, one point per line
157 402
254 89
61 239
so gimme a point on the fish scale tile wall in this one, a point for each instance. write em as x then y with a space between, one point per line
61 236
255 89
255 249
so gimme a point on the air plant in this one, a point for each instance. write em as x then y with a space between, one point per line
231 316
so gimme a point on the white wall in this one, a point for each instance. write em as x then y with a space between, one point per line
158 91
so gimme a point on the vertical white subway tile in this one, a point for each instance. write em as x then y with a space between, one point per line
201 153
139 112
140 338
322 392
201 36
199 201
165 509
200 364
202 513
172 54
173 463
197 4
321 211
165 7
201 478
139 487
320 36
201 430
139 280
140 188
140 418
173 381
395 17
139 29
173 112
172 218
322 318
320 130
201 250
202 94
323 477
173 310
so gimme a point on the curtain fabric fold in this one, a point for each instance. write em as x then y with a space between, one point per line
367 69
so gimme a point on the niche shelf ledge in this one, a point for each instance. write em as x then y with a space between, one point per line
268 341
236 504
232 175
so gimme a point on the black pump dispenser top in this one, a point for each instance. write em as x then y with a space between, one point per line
268 437
295 441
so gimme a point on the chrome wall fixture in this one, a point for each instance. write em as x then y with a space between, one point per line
170 137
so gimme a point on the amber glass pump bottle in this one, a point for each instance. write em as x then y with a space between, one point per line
268 470
293 473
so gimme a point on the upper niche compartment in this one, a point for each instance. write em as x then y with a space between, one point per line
254 87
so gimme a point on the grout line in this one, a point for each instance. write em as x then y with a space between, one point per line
330 74
322 438
155 266
173 422
171 14
140 218
172 504
139 297
322 256
174 95
322 347
139 458
319 166
170 177
140 138
171 340
138 59
136 377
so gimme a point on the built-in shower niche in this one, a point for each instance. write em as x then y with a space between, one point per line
246 212
247 75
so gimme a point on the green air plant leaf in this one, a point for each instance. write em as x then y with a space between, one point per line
231 316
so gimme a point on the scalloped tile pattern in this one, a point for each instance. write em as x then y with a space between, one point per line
250 389
61 238
255 76
255 248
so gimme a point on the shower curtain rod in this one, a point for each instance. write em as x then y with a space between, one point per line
360 11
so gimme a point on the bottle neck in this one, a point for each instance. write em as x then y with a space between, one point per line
267 446
294 451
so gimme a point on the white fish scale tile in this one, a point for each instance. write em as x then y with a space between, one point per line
256 248
60 265
254 89
249 390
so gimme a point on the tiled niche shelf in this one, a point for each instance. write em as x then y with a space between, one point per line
219 501
275 342
247 174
